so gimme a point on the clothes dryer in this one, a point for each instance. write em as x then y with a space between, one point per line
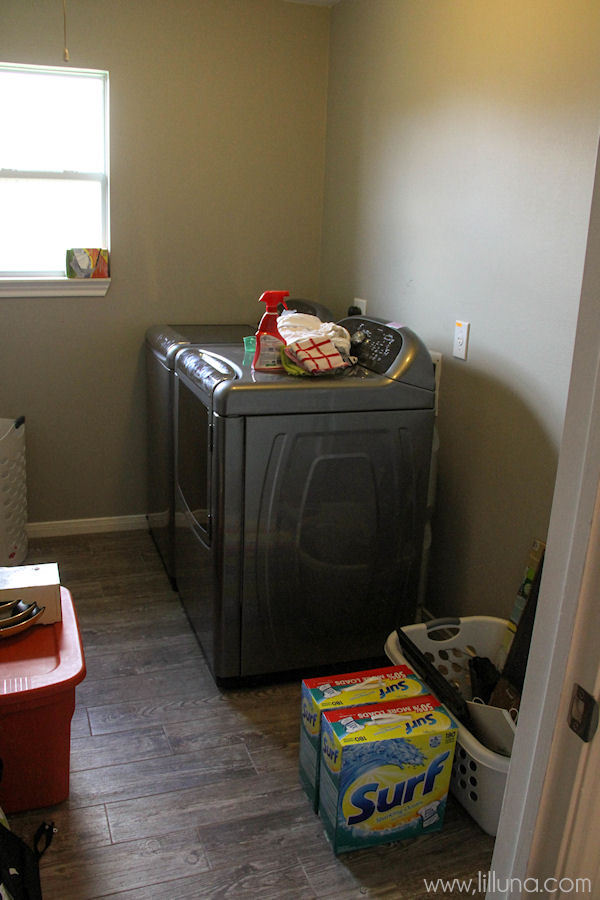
163 342
300 502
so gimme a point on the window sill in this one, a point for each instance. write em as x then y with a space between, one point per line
53 287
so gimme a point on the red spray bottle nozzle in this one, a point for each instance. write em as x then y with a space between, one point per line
273 299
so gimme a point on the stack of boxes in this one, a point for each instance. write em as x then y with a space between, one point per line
376 752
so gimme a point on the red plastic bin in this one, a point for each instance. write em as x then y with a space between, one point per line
39 670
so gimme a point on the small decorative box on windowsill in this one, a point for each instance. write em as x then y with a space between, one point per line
87 262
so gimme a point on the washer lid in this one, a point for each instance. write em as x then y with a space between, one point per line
205 370
222 376
167 340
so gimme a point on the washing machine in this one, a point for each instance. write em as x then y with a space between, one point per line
301 502
161 346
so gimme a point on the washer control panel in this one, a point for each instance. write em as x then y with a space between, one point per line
376 345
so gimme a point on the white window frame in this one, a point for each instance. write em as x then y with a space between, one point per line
50 285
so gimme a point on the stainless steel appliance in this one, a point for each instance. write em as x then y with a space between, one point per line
300 502
163 342
162 345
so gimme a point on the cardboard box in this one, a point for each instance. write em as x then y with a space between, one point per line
337 692
35 584
385 771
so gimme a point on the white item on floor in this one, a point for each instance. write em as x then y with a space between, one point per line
495 727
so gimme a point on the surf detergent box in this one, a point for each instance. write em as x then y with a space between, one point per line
337 692
385 771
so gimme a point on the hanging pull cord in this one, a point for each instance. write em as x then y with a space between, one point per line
66 52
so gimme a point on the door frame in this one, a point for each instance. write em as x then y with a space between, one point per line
577 482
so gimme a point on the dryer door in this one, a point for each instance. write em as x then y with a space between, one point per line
333 532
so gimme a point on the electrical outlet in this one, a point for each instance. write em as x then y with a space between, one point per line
362 305
461 339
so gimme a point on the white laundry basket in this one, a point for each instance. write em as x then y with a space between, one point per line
478 774
13 492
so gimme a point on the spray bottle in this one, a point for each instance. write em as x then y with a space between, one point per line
268 340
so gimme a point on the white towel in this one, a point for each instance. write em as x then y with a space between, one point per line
317 355
293 327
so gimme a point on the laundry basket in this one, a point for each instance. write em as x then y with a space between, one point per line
13 492
478 775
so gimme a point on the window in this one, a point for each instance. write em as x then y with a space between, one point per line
53 167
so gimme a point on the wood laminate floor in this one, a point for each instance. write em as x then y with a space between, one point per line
180 789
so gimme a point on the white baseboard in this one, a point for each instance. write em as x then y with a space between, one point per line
86 526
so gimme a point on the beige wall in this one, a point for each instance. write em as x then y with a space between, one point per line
461 146
217 154
461 139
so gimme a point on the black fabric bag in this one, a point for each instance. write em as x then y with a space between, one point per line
19 864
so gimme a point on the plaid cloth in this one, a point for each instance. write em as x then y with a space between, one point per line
316 355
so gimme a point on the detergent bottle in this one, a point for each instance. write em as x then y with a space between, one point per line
268 340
